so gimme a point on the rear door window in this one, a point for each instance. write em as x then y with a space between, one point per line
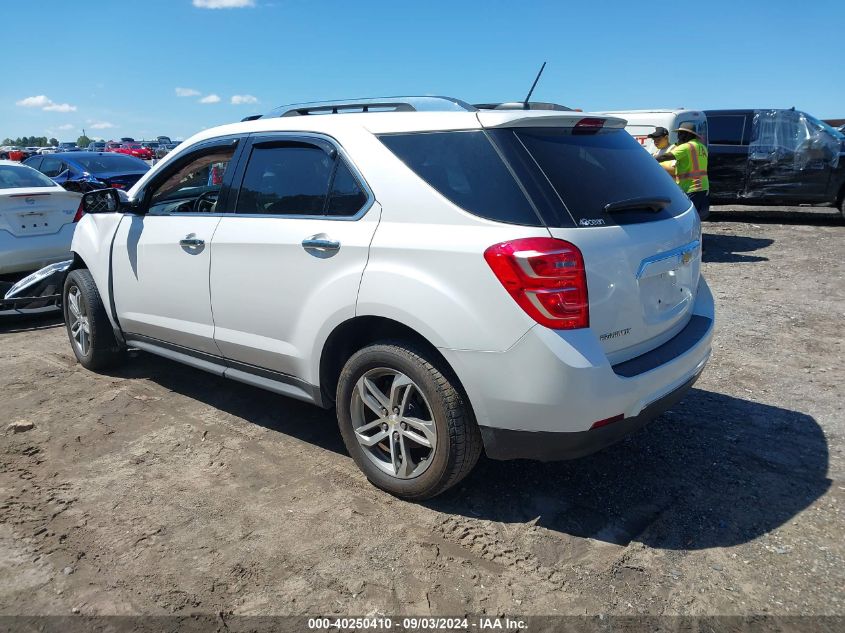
589 169
465 168
726 129
51 167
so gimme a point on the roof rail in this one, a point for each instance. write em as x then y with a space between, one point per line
251 117
380 104
522 105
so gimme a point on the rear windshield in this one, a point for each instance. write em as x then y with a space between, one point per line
589 169
111 163
13 177
565 177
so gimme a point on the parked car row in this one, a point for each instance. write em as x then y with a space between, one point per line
85 171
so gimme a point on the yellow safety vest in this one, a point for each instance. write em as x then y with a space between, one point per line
691 166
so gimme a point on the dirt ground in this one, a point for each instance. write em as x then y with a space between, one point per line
159 489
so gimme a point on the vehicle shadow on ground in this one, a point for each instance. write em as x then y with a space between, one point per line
12 323
731 249
809 216
715 472
297 419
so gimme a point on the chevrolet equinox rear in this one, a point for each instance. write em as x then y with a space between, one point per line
449 279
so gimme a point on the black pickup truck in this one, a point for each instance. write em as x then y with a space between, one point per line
775 157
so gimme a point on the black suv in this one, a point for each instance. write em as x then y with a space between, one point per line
775 157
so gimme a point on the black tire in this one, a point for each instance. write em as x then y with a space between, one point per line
458 440
103 349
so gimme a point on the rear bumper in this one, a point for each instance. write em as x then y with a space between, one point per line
547 446
32 252
541 398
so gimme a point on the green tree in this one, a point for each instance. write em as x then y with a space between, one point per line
54 142
83 141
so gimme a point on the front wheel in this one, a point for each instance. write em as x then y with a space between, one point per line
405 422
88 327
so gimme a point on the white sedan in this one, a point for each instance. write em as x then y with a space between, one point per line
37 219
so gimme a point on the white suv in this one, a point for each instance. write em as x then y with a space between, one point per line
448 278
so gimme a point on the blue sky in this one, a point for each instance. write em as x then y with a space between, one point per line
113 67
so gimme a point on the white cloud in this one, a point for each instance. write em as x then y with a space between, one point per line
242 99
223 4
45 103
34 102
60 107
210 99
67 126
187 92
102 125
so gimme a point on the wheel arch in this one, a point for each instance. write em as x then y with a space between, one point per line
356 333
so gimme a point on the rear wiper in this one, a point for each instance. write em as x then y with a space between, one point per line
635 204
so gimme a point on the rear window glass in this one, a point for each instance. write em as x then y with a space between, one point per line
591 170
110 163
13 177
465 168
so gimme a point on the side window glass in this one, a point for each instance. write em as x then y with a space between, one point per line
346 196
194 186
291 179
34 162
726 129
51 167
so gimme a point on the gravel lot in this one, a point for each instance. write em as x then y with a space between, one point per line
161 489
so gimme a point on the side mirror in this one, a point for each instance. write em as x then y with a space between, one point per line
101 201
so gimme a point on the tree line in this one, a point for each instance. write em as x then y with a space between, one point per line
41 141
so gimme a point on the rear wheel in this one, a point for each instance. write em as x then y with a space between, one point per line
88 327
405 422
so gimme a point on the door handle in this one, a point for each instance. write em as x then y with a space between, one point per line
321 242
191 241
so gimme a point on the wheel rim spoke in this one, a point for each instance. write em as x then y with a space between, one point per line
399 391
372 440
420 431
73 303
372 396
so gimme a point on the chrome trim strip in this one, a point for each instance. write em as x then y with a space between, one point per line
659 257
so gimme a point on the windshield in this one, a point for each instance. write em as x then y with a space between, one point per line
827 128
112 162
132 145
14 177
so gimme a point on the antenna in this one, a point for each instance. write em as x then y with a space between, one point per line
534 85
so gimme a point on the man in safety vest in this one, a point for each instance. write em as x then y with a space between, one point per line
690 156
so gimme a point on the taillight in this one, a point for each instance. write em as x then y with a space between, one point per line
79 213
546 277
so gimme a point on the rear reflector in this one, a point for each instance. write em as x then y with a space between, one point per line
546 277
607 421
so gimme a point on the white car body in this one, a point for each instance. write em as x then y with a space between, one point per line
641 123
36 223
251 303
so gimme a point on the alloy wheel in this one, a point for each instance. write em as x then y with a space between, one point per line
79 323
393 423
